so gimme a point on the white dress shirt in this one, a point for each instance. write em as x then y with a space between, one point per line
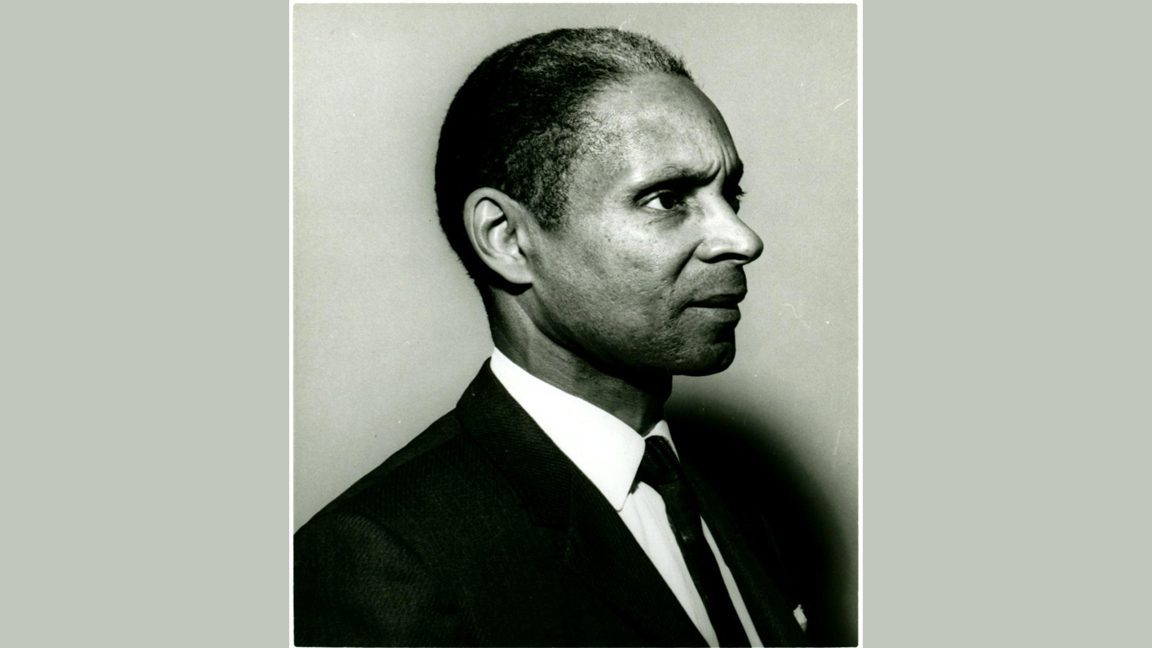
608 451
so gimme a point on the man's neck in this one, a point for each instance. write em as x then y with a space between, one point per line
636 400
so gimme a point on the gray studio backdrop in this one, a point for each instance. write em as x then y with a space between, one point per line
388 329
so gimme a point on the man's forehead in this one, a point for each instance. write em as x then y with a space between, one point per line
653 100
657 126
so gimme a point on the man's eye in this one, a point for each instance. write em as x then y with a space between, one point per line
665 200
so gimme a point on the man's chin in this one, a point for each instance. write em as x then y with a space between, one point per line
713 360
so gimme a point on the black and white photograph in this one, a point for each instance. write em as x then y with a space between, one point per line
575 316
344 323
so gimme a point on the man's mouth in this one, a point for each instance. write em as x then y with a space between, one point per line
723 300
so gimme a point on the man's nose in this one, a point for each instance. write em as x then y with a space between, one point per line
727 238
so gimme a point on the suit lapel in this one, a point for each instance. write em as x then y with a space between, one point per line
603 551
591 538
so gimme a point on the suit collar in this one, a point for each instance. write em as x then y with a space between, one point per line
604 448
535 467
591 538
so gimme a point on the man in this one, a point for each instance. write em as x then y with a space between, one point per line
591 190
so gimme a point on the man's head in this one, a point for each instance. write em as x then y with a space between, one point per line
520 120
608 229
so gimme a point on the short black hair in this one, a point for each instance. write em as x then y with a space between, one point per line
520 119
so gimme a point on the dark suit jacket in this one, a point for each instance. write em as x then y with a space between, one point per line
481 532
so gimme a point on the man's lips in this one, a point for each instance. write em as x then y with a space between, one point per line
723 300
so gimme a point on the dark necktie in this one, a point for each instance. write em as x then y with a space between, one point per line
661 470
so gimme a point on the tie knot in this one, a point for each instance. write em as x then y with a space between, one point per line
659 467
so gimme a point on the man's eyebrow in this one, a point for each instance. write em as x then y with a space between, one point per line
678 174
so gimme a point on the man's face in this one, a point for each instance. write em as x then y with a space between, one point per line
645 272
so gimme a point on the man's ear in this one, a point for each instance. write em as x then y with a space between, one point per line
496 227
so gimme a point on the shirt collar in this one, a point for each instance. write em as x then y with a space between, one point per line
607 450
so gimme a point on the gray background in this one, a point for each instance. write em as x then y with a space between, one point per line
145 340
388 328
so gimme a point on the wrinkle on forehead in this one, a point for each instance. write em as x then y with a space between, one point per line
655 121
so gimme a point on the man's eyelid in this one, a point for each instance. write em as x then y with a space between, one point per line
679 185
675 187
679 196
